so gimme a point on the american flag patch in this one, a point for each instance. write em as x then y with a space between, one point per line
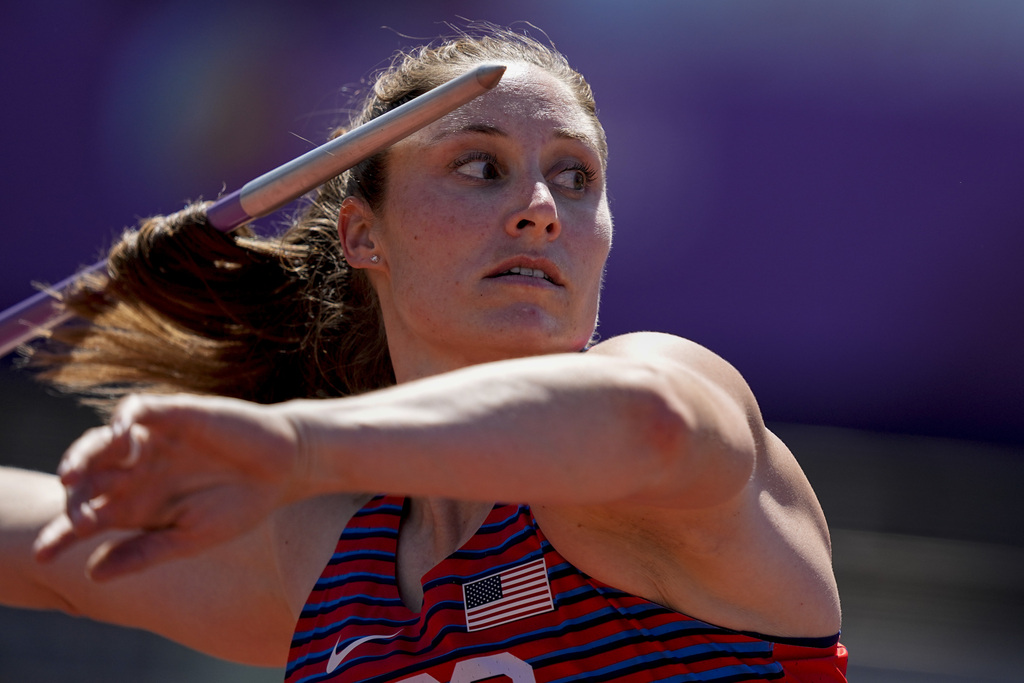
513 594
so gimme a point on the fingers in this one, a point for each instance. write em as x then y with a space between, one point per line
85 516
114 559
90 449
68 529
170 469
116 445
55 538
98 472
98 468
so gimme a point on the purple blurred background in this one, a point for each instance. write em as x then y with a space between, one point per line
830 195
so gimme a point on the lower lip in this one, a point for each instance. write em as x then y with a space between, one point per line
525 280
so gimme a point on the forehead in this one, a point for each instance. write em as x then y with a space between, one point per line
527 99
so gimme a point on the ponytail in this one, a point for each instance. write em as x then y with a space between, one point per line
184 307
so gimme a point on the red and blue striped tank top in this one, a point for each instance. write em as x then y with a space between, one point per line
507 604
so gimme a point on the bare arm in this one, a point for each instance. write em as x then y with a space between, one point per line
27 500
571 429
228 603
645 459
606 427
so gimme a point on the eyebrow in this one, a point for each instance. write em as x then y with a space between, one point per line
482 128
495 131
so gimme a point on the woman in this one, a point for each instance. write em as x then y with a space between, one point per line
657 531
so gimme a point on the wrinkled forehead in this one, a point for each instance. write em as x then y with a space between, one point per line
528 97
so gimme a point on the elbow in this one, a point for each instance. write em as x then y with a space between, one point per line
666 428
697 445
659 427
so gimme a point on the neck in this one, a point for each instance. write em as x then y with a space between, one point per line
433 529
443 524
409 367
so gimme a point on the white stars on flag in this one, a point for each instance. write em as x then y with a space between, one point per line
513 594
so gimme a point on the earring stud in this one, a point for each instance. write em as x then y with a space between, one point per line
375 259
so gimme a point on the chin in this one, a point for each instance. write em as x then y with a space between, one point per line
531 331
537 342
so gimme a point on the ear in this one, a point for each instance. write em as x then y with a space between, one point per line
356 222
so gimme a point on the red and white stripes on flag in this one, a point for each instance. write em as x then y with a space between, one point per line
513 594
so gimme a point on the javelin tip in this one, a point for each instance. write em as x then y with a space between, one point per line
488 75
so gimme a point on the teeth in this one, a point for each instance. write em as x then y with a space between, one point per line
529 272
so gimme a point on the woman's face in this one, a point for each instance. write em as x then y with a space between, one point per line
494 231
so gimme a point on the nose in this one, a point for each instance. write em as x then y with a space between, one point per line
537 217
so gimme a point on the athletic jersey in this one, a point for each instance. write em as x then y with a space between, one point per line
506 603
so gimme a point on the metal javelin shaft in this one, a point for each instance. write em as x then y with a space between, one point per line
25 321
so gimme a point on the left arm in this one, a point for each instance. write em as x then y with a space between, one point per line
645 459
573 429
617 425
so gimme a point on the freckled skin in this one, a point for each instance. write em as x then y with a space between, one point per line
447 231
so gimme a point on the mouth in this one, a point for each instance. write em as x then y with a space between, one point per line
527 272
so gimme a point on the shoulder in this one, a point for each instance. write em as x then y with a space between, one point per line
669 351
715 433
732 528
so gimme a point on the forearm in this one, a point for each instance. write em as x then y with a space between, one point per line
568 429
28 500
226 603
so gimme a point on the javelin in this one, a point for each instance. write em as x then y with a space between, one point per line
272 190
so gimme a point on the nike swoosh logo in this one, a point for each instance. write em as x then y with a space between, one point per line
336 657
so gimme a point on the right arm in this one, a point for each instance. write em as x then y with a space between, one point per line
231 602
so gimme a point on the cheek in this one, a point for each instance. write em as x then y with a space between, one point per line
426 219
599 241
604 224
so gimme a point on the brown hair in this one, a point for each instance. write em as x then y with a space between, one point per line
184 307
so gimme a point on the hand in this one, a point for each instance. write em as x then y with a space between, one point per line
183 473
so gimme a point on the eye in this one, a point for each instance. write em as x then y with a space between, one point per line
477 165
576 178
